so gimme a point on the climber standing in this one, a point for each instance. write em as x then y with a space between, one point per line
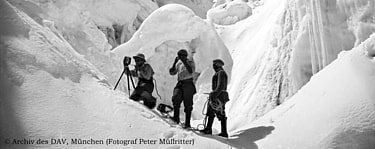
185 88
145 86
217 99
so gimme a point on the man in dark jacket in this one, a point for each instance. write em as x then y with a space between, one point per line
185 88
145 85
218 98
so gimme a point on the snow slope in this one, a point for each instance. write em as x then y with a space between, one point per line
338 114
51 91
57 73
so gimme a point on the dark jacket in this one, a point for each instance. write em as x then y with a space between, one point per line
144 72
219 85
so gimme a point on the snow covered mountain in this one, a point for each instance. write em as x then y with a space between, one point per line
302 71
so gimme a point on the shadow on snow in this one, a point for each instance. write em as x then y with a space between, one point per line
244 139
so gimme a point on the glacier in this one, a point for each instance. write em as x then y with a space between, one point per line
302 71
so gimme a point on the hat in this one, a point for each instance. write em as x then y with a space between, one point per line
182 52
218 62
140 55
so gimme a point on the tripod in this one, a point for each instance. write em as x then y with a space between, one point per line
129 77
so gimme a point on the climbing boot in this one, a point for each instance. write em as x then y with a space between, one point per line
187 120
208 128
176 115
224 132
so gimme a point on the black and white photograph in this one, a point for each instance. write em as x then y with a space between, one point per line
187 74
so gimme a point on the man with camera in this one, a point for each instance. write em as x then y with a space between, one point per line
145 86
185 88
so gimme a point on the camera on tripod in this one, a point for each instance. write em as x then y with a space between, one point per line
127 60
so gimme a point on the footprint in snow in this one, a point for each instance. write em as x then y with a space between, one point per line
182 135
174 147
168 134
120 102
147 115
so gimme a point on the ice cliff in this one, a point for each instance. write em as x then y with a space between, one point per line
302 71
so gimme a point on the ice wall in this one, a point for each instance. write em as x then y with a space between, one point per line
92 28
200 7
259 65
329 27
305 36
167 30
229 13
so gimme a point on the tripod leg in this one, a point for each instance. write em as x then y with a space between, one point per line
128 85
131 79
119 79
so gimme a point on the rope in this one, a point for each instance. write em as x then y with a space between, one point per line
217 106
156 88
205 118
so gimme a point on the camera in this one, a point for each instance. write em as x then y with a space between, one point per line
127 60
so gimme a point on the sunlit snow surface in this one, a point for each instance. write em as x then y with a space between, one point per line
229 13
57 73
